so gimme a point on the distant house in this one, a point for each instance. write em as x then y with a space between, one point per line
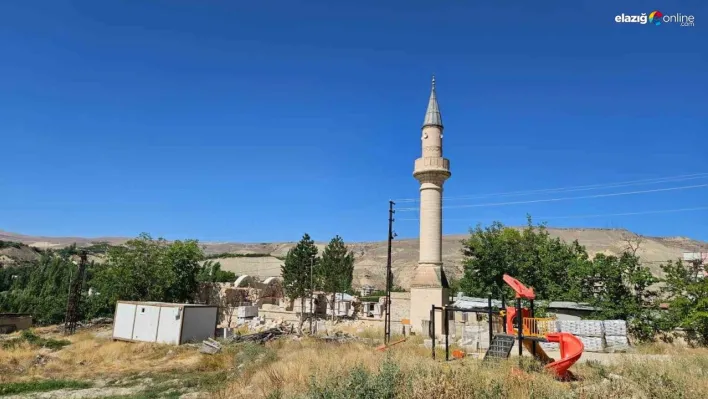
343 305
699 259
366 290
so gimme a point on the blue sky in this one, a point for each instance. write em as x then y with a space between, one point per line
258 121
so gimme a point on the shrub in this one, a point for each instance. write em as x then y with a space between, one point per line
31 338
359 384
40 386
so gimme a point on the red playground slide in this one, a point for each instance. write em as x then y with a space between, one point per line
521 290
571 348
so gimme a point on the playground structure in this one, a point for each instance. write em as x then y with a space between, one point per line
519 324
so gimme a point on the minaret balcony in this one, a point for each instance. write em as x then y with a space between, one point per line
432 165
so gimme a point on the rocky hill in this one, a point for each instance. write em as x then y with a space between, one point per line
371 256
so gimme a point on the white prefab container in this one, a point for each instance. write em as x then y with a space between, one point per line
165 323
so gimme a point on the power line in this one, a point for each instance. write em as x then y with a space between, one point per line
597 215
573 188
565 198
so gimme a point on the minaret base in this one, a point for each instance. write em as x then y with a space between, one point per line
429 287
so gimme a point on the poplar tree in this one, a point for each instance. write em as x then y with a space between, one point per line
336 269
296 271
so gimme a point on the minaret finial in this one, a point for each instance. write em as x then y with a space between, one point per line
432 114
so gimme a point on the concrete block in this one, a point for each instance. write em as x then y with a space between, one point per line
615 327
593 344
616 343
246 311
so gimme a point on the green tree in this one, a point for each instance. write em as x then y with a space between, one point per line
686 290
40 288
617 285
143 269
183 257
211 273
620 288
136 271
530 255
454 284
336 269
296 271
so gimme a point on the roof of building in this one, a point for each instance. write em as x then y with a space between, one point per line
341 296
432 114
570 305
15 315
465 302
166 304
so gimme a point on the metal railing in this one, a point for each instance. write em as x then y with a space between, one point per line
538 326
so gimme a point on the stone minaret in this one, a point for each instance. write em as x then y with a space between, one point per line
429 285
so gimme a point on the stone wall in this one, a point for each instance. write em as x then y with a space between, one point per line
400 306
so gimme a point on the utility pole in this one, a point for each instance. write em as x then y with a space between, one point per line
312 291
73 301
389 275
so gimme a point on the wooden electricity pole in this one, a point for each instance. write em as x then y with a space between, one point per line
312 293
389 275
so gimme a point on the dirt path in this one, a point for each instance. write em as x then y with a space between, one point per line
81 393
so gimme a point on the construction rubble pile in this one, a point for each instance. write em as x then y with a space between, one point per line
211 346
261 337
262 331
93 323
259 323
340 338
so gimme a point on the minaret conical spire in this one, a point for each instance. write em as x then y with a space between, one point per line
432 115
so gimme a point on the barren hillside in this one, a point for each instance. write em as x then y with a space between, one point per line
371 256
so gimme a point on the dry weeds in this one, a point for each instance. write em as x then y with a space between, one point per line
313 369
300 363
90 357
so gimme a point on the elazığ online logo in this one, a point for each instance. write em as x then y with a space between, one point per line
656 17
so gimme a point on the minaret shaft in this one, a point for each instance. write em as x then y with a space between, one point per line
431 224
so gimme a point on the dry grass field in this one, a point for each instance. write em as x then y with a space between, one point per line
91 365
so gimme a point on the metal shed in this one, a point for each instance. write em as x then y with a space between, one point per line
11 322
165 323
